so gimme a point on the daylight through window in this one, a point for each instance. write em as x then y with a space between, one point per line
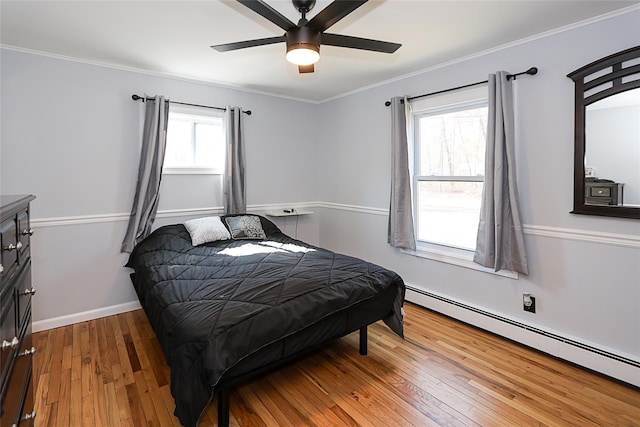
195 140
449 144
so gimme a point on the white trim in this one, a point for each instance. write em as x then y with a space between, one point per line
167 213
174 76
354 208
94 219
191 170
535 37
599 358
604 360
457 258
227 85
625 240
84 316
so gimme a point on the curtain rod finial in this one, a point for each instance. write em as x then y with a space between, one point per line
137 97
532 71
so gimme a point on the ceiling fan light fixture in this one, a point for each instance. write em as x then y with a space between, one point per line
303 54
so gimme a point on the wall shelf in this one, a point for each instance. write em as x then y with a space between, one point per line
296 212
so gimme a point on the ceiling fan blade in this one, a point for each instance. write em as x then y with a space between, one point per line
302 69
359 43
333 13
266 11
247 43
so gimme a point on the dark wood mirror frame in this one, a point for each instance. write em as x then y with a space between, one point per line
583 98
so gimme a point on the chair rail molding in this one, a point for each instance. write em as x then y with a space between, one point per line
615 239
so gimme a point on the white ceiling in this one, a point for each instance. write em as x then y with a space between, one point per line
174 37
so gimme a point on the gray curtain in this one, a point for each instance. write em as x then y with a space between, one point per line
234 180
500 243
400 232
154 142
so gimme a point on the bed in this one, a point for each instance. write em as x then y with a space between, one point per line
238 304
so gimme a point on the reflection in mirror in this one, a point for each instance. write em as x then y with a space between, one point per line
607 136
612 150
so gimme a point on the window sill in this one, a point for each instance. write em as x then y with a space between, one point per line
457 257
191 171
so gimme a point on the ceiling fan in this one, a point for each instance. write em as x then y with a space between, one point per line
304 39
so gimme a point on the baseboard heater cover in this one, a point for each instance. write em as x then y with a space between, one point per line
528 328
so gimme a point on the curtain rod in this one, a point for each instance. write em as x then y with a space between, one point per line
140 98
531 71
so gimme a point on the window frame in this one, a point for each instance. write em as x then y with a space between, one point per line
208 115
438 108
458 100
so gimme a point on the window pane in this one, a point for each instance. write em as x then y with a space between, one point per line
448 212
209 146
179 151
195 141
453 143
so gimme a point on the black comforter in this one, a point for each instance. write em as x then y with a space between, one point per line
215 304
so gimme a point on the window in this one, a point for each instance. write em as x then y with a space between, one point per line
449 155
195 141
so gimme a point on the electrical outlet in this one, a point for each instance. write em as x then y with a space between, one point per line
528 303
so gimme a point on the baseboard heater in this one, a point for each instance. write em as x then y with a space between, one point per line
511 322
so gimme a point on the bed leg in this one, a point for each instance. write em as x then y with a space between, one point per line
223 407
363 341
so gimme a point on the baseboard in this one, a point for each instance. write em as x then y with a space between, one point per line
605 361
56 322
621 367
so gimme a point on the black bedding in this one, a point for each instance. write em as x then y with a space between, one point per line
214 305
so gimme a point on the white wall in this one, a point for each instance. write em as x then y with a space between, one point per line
71 135
586 290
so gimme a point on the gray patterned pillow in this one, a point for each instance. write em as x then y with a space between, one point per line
245 227
207 229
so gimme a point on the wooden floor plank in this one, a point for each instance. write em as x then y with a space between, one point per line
75 399
112 372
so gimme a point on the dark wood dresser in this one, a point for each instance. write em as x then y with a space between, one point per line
603 192
16 382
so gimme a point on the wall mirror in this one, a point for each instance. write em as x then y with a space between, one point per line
607 136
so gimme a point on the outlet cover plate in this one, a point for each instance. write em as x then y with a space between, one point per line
532 307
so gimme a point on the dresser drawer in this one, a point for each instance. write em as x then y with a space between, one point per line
24 292
8 336
16 380
9 248
599 191
24 236
27 414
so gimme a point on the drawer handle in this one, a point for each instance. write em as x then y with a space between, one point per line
27 232
31 291
15 342
26 417
29 352
12 247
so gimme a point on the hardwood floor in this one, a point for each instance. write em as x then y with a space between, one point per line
111 372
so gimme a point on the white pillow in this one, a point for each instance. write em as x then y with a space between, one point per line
207 229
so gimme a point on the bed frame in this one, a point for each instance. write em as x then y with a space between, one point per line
226 386
288 349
